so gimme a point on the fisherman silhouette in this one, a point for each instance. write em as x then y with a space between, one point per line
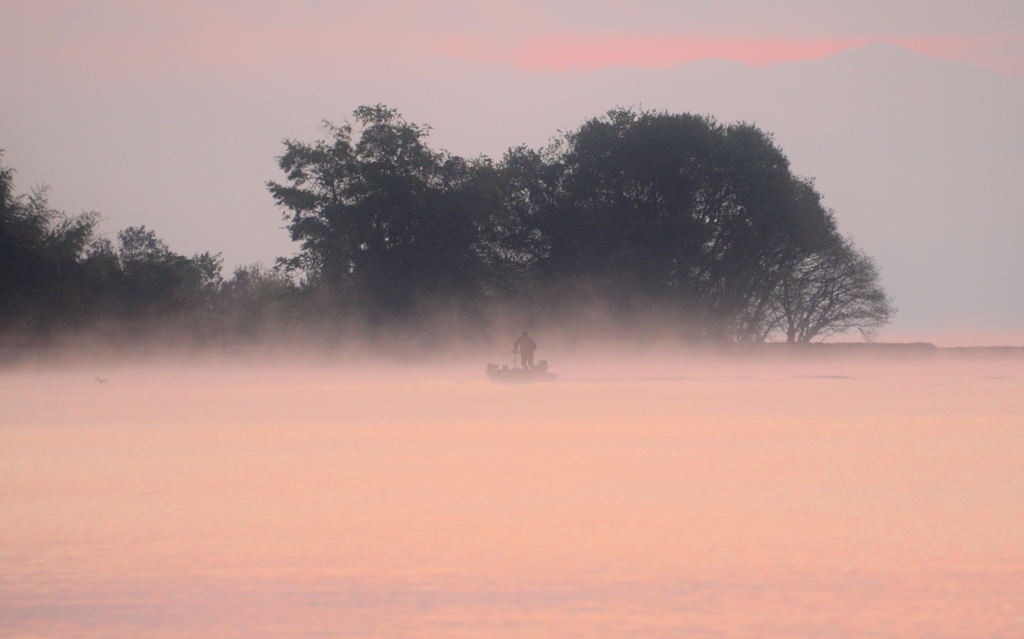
525 347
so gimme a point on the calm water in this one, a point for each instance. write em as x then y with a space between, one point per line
842 499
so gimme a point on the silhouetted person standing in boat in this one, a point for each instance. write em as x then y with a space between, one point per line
525 347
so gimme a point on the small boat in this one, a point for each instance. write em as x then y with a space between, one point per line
516 375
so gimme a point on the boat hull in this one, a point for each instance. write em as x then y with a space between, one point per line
520 376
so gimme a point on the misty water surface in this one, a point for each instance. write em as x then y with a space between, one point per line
666 498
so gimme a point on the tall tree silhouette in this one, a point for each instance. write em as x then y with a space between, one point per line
643 208
41 250
384 220
831 291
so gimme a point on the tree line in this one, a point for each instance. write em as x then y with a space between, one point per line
58 274
634 214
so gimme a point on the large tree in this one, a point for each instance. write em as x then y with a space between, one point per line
382 219
633 211
677 210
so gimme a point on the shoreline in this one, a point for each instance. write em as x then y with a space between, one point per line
355 354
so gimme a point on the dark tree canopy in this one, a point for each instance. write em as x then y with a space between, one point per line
43 254
633 211
634 214
647 207
383 220
55 272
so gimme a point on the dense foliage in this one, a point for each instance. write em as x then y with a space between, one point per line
385 222
634 214
58 274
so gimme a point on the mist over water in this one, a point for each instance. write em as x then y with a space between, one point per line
307 443
663 495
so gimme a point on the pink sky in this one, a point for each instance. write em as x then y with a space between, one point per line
560 52
317 36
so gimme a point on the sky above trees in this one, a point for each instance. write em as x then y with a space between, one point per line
171 114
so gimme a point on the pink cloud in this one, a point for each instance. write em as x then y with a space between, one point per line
269 38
